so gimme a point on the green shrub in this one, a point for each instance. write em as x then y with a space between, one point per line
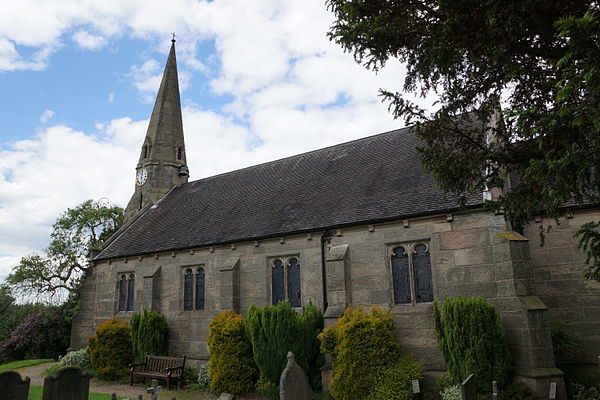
517 391
564 343
203 375
149 334
362 346
472 341
190 375
265 387
581 392
78 358
232 367
275 330
452 392
394 383
110 350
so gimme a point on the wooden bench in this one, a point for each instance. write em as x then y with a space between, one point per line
158 367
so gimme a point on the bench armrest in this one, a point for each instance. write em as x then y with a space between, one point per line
135 365
173 369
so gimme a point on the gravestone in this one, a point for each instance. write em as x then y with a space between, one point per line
69 383
467 388
154 389
12 387
293 384
552 392
226 396
494 390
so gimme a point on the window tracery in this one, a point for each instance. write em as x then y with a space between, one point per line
194 288
285 280
126 292
411 273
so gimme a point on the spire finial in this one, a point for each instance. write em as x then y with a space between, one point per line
174 36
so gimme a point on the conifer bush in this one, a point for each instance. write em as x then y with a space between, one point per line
362 345
472 341
149 334
110 350
395 382
232 368
275 330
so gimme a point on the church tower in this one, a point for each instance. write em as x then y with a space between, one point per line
162 163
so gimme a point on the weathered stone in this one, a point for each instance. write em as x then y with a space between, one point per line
12 387
67 383
293 384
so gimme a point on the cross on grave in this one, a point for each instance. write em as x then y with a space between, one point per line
154 389
494 390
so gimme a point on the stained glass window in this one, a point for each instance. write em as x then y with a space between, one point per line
293 282
422 268
200 278
130 292
400 276
188 290
122 292
277 281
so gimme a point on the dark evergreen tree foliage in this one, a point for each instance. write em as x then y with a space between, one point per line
539 58
472 341
275 330
149 334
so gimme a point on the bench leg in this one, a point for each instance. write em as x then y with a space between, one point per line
130 379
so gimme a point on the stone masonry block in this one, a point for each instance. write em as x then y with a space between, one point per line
464 239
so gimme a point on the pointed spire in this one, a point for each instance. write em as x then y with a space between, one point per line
165 131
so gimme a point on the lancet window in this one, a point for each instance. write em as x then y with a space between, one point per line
126 292
194 289
285 280
411 273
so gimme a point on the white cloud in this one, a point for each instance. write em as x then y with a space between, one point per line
46 115
292 91
87 41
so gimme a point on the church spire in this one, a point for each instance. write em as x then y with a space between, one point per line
162 163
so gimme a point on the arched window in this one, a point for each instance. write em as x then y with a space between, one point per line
400 276
188 290
126 292
179 152
200 283
194 289
122 293
285 280
130 292
411 274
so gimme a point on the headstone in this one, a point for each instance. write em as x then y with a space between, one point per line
293 384
552 394
140 396
67 383
416 386
467 388
12 387
154 389
226 396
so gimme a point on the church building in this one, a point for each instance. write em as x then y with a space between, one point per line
360 223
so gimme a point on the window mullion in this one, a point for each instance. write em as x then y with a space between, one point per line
411 276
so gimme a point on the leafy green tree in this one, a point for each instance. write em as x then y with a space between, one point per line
539 59
64 266
149 334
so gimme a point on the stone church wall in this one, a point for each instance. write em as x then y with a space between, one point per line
558 267
472 254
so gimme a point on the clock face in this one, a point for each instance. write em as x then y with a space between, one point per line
141 177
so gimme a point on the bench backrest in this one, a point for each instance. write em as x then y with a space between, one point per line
160 363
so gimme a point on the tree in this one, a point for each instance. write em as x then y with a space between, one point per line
540 59
65 264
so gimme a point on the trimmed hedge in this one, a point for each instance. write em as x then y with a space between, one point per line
232 367
149 334
110 350
275 330
472 341
363 346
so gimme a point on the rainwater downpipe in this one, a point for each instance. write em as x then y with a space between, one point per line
325 239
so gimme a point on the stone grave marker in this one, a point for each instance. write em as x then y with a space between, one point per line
67 383
12 387
467 388
416 386
552 394
494 390
226 396
154 389
293 384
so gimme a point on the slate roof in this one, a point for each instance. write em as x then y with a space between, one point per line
374 179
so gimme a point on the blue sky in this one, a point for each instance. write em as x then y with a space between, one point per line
259 81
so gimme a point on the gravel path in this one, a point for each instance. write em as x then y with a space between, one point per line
36 373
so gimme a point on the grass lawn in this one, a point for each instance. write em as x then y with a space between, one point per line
23 364
35 393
